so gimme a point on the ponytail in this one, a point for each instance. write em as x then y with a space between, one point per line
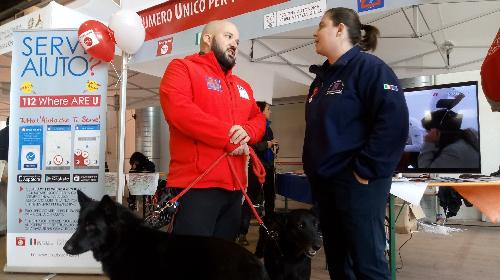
368 41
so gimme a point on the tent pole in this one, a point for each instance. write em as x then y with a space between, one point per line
121 130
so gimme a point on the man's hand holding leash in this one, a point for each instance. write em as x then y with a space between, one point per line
239 136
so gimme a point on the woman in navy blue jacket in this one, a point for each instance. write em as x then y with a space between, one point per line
356 129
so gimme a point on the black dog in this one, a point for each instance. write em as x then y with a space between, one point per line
296 240
128 249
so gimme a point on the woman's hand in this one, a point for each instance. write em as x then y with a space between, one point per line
359 179
272 143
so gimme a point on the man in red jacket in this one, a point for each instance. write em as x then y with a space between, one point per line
210 111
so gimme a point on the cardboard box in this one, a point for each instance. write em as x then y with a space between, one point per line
408 215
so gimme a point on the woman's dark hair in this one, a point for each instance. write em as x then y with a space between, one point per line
444 120
139 157
261 105
449 122
143 164
350 18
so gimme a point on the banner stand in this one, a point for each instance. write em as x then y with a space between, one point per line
57 140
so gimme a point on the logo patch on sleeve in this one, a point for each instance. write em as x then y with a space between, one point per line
214 84
243 92
390 87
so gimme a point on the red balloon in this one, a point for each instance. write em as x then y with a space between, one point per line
490 71
97 40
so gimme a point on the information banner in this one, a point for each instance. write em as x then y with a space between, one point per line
57 142
175 16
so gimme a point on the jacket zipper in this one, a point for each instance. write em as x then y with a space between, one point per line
231 101
229 86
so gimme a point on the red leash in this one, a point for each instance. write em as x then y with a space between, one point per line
260 172
174 200
257 168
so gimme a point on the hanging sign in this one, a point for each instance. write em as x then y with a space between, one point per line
366 5
295 14
175 16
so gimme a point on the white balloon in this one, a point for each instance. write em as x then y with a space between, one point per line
128 30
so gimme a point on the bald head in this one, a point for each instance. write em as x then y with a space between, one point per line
221 37
214 29
215 26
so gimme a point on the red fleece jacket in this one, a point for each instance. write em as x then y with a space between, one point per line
201 103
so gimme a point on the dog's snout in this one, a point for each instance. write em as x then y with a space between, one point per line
316 246
68 248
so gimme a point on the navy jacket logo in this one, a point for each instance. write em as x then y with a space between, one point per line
336 87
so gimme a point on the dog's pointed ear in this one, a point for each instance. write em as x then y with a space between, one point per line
83 199
108 205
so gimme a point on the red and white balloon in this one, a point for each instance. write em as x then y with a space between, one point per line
97 40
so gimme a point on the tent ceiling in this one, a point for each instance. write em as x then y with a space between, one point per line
427 39
414 41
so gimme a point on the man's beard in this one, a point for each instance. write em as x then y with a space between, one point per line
224 60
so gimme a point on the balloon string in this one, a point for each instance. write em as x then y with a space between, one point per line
129 57
116 72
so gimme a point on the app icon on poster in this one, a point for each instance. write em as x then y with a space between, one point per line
58 146
86 146
20 241
30 157
30 147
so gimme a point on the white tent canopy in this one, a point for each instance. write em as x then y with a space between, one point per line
420 38
415 37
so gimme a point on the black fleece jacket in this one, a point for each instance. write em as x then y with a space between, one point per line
356 117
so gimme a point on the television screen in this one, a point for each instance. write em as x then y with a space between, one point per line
444 130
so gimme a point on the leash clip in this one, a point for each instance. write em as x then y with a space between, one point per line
271 233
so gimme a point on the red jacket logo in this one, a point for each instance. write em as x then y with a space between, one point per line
164 46
20 241
214 84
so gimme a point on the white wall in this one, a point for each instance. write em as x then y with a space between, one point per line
112 136
289 81
288 124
